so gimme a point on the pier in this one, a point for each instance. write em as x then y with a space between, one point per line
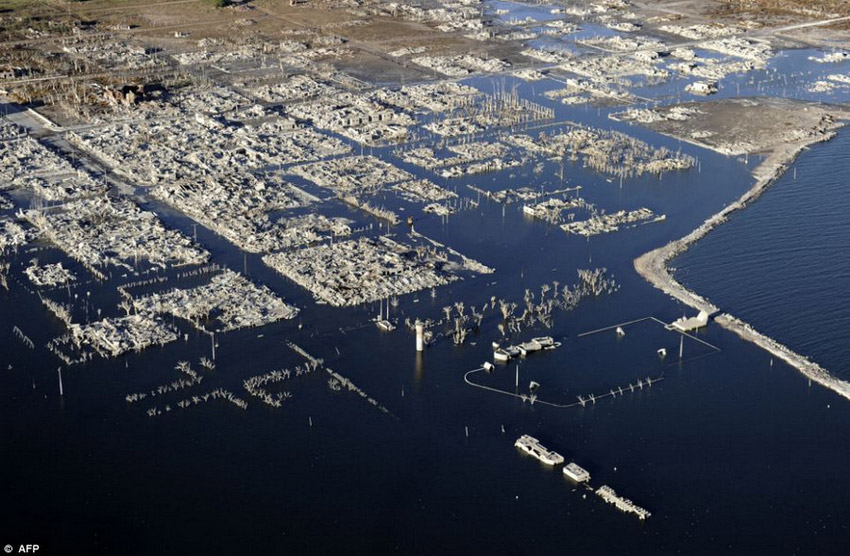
652 266
623 504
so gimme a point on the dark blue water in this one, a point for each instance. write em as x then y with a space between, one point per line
783 264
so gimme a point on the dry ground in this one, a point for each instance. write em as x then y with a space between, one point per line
756 125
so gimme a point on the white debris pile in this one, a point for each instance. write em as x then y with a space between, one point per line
562 26
715 69
529 75
353 174
470 158
757 51
10 130
608 152
550 56
64 187
13 235
821 87
110 53
606 223
552 210
295 88
356 117
618 43
615 66
27 163
111 337
581 91
622 26
679 113
700 31
161 151
214 100
701 88
439 209
831 57
517 36
408 50
229 298
360 271
503 109
435 97
234 206
100 232
237 208
25 158
49 274
215 52
461 65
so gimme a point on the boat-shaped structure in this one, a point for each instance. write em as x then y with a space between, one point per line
532 447
577 473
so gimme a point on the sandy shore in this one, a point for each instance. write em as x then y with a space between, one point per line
653 267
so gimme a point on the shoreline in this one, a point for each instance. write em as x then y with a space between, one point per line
652 266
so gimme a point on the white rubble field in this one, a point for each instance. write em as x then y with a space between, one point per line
353 174
237 207
156 151
49 274
229 298
101 231
111 337
608 152
364 270
13 235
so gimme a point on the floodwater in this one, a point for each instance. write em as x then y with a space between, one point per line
730 453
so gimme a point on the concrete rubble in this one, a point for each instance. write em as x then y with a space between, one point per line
297 88
238 207
499 110
49 274
365 270
356 117
607 223
468 159
150 152
102 231
608 152
229 299
111 337
461 65
13 235
353 174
